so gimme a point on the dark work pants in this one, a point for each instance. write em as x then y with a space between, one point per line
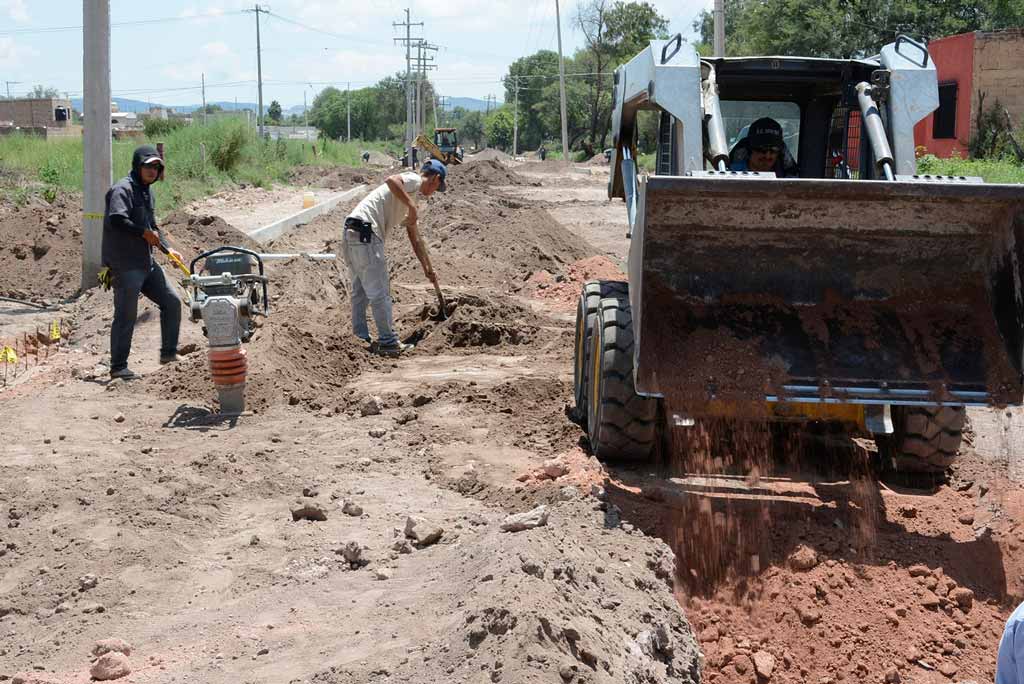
128 285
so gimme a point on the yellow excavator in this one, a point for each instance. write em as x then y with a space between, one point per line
444 147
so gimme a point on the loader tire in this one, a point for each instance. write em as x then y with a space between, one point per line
925 439
621 425
586 308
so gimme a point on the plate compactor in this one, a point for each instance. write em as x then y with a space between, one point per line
839 286
228 292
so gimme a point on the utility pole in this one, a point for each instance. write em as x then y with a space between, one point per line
436 107
515 122
719 17
98 166
9 83
407 40
561 85
444 101
422 66
348 101
204 99
259 70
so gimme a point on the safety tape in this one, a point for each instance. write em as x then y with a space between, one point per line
55 331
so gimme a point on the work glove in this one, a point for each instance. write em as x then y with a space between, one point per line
106 277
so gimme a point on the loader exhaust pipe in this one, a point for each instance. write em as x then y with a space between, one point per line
876 130
718 149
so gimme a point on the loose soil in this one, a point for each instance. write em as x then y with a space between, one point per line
40 249
135 512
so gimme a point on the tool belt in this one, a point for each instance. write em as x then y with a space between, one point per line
365 228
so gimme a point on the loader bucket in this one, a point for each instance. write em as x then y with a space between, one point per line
799 290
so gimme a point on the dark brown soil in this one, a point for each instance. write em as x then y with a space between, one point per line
40 249
481 173
338 177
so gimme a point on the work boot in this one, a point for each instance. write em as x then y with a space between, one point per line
123 374
395 349
169 358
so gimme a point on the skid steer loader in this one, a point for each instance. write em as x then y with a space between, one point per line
856 291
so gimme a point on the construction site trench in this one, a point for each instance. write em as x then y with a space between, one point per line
350 528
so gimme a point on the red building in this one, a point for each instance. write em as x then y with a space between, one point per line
972 67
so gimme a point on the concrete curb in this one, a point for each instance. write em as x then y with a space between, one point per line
278 228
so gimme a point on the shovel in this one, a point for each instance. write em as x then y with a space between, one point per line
442 306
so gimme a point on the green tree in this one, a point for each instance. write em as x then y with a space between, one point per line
533 74
848 28
498 128
631 26
473 128
274 111
613 33
41 92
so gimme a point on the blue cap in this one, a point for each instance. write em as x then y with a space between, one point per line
433 166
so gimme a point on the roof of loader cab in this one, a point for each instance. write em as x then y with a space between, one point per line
781 77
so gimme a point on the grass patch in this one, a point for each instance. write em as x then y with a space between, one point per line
233 155
992 170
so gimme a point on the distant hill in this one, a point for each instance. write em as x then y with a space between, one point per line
471 104
128 105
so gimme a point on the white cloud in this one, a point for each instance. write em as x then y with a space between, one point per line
14 55
218 50
16 10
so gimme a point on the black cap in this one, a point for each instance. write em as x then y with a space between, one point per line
765 132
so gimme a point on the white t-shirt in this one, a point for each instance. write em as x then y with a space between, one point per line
385 211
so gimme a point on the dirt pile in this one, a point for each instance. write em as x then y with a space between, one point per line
489 154
303 353
336 177
497 324
477 239
481 174
193 234
41 249
563 290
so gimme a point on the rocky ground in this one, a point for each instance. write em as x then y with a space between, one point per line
438 517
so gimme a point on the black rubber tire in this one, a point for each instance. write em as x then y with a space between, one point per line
621 425
586 308
925 439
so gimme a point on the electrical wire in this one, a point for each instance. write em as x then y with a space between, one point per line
118 24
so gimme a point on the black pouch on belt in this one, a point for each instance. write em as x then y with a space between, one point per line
365 229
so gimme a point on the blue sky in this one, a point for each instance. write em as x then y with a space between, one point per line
163 60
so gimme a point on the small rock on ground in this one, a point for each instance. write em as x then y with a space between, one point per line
308 510
764 664
353 553
406 417
804 558
371 406
422 530
111 665
526 521
351 508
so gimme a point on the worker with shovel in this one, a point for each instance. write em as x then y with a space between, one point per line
129 235
366 231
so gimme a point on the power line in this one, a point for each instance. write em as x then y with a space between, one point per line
119 24
307 27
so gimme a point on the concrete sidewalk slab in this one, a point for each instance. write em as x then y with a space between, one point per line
279 228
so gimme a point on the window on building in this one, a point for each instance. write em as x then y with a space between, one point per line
944 123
